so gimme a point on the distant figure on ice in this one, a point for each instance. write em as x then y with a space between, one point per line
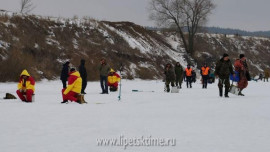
113 80
83 74
179 75
170 76
222 71
266 75
205 70
188 76
241 67
261 76
194 76
26 87
74 87
211 77
64 74
104 70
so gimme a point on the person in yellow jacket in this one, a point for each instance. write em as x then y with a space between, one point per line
26 87
113 80
74 87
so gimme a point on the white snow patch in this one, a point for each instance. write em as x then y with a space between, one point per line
75 44
106 35
4 44
132 68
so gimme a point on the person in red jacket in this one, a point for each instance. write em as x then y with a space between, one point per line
74 87
241 67
113 80
26 87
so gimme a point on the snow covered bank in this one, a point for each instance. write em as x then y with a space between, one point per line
199 120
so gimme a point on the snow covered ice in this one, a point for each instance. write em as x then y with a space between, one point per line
198 119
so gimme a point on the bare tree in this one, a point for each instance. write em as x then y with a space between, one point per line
189 14
26 6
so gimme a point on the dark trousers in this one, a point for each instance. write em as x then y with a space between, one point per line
189 81
223 82
84 84
204 81
178 81
104 83
64 82
167 83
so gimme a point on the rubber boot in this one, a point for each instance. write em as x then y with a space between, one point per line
65 101
220 92
240 93
226 93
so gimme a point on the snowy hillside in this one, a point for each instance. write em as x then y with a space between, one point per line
211 46
198 120
42 40
31 42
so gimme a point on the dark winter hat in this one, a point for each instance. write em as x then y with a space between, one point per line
225 55
67 63
72 70
241 56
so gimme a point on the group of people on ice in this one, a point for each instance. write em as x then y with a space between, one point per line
77 82
176 75
222 71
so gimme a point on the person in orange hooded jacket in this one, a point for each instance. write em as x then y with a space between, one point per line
205 70
74 87
113 80
188 76
26 87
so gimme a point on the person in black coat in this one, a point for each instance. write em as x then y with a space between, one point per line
83 74
64 74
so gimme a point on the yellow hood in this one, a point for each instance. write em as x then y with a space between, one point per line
112 70
24 72
76 74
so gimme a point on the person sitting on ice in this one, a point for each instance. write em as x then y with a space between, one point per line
74 87
26 87
113 80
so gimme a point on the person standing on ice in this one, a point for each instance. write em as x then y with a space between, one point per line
179 75
241 67
266 75
83 74
64 74
26 87
74 87
260 76
194 76
222 71
104 70
188 75
205 70
113 80
170 76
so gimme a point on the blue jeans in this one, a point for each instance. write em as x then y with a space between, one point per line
104 83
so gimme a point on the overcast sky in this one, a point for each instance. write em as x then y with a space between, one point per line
249 15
